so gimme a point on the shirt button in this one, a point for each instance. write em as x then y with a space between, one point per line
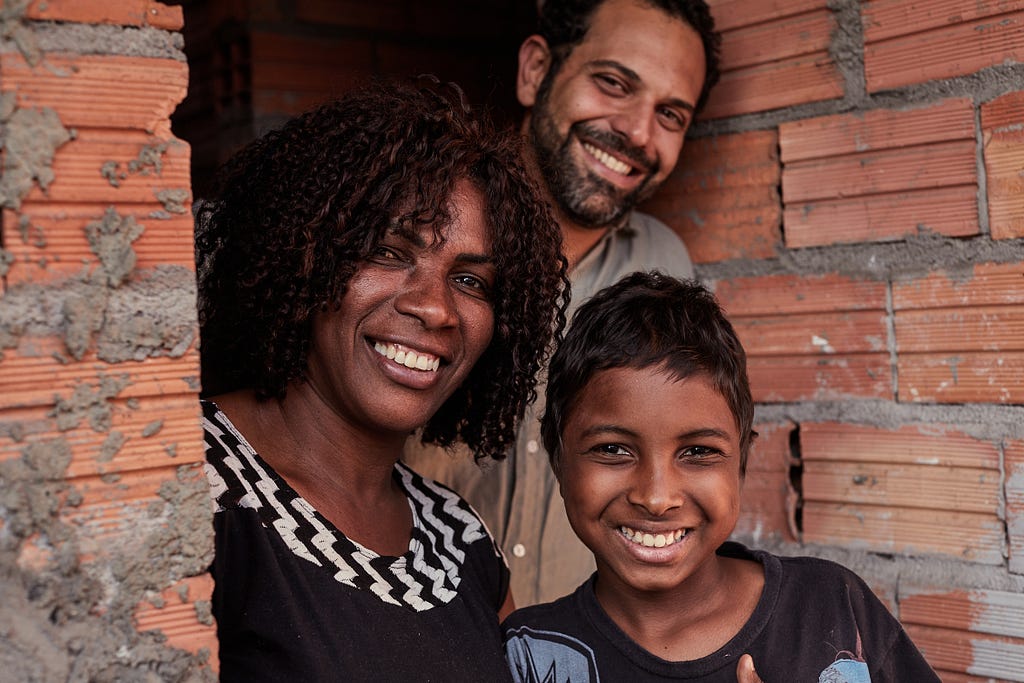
531 446
519 550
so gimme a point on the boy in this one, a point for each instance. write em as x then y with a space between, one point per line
649 423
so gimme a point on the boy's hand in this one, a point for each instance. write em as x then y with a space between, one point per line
745 671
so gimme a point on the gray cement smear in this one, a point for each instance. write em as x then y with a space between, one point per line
173 199
71 621
89 39
983 421
149 161
152 314
31 137
110 238
13 29
914 256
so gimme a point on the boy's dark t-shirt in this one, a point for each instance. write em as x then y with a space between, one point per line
815 621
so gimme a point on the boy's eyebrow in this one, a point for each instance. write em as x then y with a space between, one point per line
635 77
706 432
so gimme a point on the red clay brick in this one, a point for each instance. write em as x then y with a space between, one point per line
100 91
1004 150
54 246
808 378
951 211
792 294
722 199
122 12
999 613
997 328
171 423
1014 453
841 134
174 615
947 164
960 489
962 377
730 14
988 284
934 444
755 44
811 78
819 334
768 500
884 19
986 658
39 369
913 56
965 535
78 167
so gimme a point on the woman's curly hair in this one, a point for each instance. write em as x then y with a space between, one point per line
295 213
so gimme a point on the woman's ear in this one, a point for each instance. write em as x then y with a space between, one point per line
534 62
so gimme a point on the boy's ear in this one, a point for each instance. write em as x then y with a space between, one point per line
534 62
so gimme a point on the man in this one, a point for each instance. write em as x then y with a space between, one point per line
610 88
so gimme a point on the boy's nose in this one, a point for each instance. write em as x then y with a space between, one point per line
656 490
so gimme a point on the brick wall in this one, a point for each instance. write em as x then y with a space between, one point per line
855 194
104 514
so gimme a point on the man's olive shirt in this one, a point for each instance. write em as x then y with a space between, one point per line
518 498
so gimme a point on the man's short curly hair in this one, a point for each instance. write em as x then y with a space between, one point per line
293 214
564 25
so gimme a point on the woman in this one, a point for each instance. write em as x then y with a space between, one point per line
378 266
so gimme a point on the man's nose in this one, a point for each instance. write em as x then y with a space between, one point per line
636 124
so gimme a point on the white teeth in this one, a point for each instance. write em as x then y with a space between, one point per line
408 358
652 540
607 159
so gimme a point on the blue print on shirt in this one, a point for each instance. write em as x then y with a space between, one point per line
548 657
845 671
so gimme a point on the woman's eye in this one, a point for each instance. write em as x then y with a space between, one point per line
475 284
385 253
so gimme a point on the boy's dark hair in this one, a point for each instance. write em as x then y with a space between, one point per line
645 320
564 24
295 212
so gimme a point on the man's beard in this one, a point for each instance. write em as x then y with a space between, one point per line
583 196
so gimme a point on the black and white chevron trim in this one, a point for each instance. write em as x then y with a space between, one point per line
426 576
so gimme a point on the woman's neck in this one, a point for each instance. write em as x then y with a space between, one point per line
343 472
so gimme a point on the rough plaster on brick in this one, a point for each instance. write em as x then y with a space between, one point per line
847 49
31 138
916 255
85 39
981 421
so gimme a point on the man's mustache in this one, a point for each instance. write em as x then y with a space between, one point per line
616 143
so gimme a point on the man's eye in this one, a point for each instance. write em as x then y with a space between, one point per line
610 84
671 119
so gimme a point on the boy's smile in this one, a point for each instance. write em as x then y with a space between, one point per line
650 474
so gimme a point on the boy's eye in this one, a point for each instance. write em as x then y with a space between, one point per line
699 454
611 450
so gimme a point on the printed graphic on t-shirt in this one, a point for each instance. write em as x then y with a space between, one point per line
549 657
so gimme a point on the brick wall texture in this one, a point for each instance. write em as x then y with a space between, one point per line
104 512
854 193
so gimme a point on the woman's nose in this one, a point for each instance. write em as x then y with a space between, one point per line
428 297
